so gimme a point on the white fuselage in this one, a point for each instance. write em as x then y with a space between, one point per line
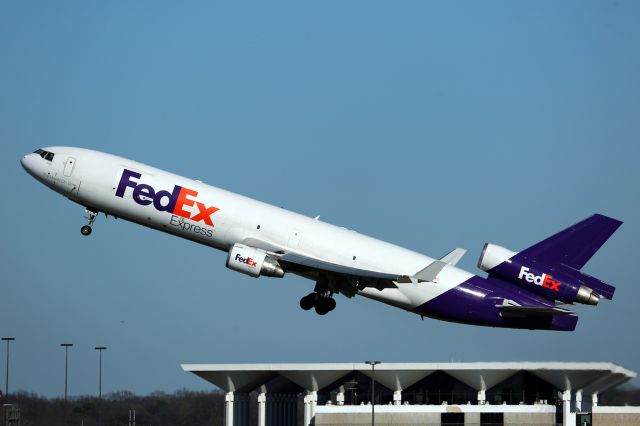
219 218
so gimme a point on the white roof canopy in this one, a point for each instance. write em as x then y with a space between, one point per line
588 377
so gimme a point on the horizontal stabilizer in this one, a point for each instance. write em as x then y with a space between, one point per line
454 257
512 311
430 273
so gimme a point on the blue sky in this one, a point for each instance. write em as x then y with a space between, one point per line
432 125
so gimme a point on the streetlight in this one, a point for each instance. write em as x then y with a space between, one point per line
6 383
100 349
66 347
373 398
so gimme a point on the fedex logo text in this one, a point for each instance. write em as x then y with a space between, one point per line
544 280
248 260
177 201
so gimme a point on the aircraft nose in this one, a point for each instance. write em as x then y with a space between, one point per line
27 163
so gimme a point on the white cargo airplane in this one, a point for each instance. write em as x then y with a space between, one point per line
522 290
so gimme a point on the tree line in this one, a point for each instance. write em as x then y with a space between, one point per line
180 408
116 409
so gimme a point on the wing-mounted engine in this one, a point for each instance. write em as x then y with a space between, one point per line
560 282
253 262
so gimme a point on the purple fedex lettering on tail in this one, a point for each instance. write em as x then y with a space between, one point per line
173 202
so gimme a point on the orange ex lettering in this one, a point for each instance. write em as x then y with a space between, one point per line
184 201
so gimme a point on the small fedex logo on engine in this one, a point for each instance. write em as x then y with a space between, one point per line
248 260
180 201
544 280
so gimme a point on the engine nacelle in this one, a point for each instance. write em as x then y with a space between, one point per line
492 255
253 261
559 283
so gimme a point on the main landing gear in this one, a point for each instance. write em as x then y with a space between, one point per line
322 302
86 229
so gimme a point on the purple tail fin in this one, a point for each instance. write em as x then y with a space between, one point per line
575 245
569 250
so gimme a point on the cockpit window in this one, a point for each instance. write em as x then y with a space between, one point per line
44 154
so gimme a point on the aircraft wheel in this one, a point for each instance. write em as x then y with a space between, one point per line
85 230
308 301
331 303
324 305
321 310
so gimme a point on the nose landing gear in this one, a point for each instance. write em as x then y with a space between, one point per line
323 303
86 229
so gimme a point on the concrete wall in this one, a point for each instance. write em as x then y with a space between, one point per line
620 419
530 419
430 415
327 419
619 416
433 419
471 418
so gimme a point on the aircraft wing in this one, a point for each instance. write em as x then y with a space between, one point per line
365 277
311 263
301 262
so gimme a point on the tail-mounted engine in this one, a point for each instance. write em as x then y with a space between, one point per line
559 282
253 261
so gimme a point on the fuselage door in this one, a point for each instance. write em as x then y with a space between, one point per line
69 165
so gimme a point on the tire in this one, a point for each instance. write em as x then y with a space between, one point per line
331 304
320 309
85 230
308 301
324 305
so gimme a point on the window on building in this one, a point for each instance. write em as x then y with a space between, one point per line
452 419
491 419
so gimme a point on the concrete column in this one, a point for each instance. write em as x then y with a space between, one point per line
262 409
340 398
313 401
568 418
228 409
310 401
397 398
578 401
307 410
482 397
594 400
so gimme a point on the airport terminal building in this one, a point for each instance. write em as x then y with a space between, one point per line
456 393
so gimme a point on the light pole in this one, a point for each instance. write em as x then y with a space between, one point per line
100 349
6 383
373 398
66 347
